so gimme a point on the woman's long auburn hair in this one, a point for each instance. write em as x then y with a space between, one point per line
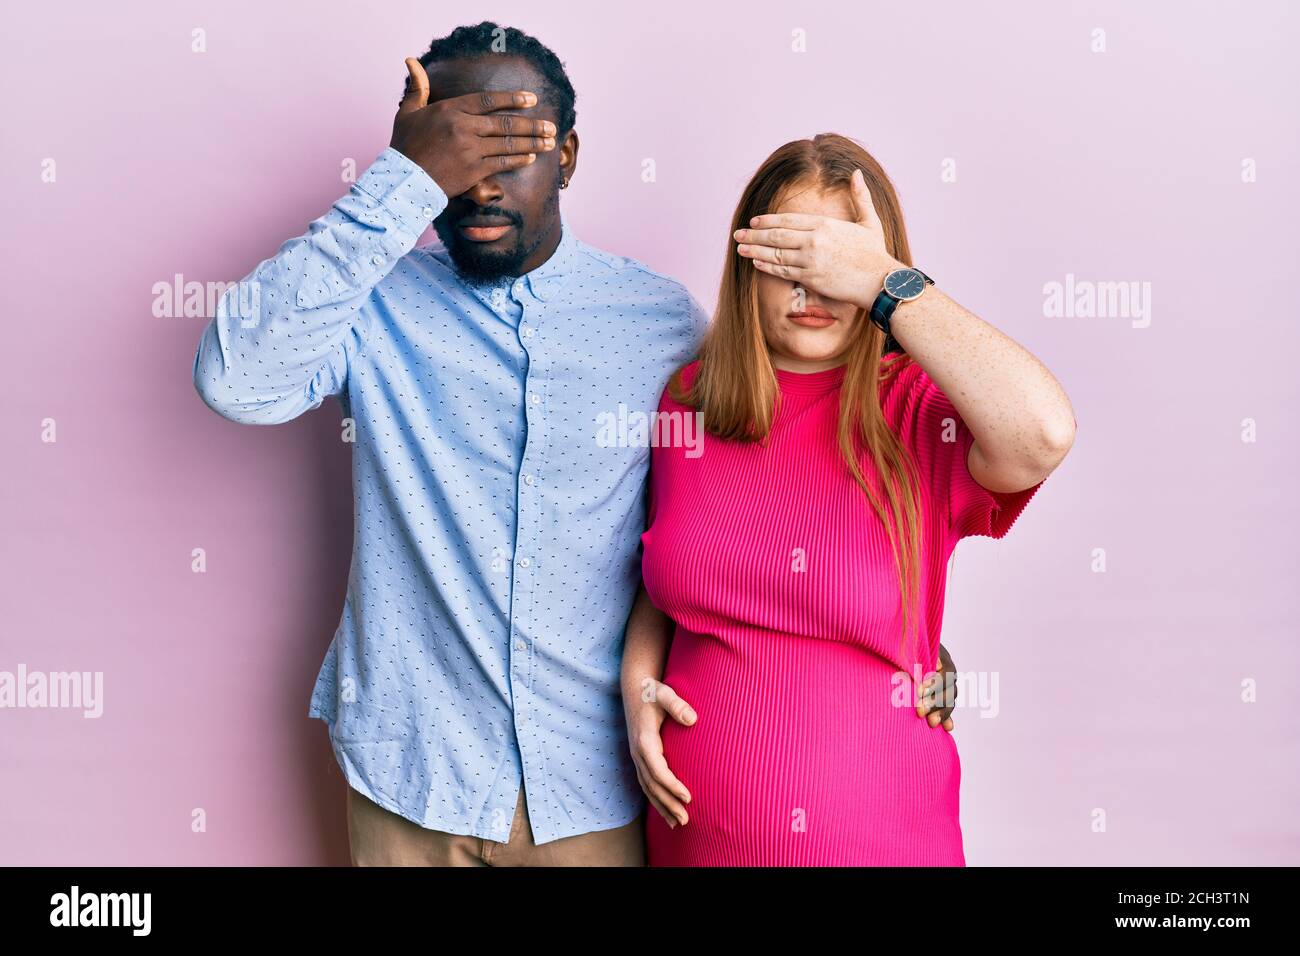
736 389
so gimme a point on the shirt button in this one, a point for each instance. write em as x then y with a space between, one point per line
377 259
524 562
529 479
535 398
520 646
428 212
526 332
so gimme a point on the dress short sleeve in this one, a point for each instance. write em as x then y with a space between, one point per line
931 427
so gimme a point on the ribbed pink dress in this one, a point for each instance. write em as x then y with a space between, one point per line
778 574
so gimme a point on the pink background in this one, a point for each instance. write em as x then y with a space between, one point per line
1119 691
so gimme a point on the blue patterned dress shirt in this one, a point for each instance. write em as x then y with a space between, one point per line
497 534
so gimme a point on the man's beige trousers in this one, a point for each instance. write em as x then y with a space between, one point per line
379 837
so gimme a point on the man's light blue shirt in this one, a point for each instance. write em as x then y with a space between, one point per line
497 526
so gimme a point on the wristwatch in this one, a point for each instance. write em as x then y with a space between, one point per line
901 285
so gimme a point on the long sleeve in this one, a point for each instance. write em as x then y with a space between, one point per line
283 337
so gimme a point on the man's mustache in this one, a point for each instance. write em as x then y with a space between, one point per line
488 217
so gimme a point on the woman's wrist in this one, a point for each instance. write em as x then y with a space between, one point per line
873 279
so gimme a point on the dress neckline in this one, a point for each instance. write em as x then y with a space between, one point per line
810 383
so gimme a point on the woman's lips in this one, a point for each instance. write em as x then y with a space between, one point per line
812 318
484 233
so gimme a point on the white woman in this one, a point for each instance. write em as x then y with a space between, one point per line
794 570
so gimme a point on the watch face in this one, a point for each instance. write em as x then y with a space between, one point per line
904 284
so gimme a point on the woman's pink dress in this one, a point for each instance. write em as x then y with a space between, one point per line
779 576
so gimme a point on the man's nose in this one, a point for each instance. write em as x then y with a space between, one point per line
485 192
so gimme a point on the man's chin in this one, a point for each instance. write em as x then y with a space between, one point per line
484 265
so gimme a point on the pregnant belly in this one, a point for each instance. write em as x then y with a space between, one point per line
806 752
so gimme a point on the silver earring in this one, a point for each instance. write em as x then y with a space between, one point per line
564 183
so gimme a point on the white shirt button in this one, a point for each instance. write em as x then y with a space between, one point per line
529 479
524 562
428 212
520 646
526 331
535 398
377 259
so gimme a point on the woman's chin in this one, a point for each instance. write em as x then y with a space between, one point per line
808 350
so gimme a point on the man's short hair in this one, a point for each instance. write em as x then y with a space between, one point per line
490 39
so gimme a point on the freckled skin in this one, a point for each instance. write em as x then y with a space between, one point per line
795 347
529 196
1019 413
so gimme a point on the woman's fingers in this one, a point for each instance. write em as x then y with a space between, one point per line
787 220
863 204
783 238
665 800
781 257
793 273
652 755
653 800
660 784
677 708
672 806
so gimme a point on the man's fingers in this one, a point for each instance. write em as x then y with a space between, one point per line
508 124
490 165
515 145
417 87
487 101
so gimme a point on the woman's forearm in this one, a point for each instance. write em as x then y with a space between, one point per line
645 646
1021 418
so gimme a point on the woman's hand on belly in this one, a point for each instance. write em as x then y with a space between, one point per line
646 711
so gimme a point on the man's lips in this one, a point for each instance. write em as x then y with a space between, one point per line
812 317
483 228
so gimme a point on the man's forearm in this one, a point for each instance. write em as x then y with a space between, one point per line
281 337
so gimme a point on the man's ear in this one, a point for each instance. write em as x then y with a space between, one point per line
569 154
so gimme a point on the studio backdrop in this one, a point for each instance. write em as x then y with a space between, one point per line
1111 184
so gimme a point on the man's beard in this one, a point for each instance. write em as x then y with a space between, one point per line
476 264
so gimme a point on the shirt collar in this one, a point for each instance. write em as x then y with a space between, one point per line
547 278
543 281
